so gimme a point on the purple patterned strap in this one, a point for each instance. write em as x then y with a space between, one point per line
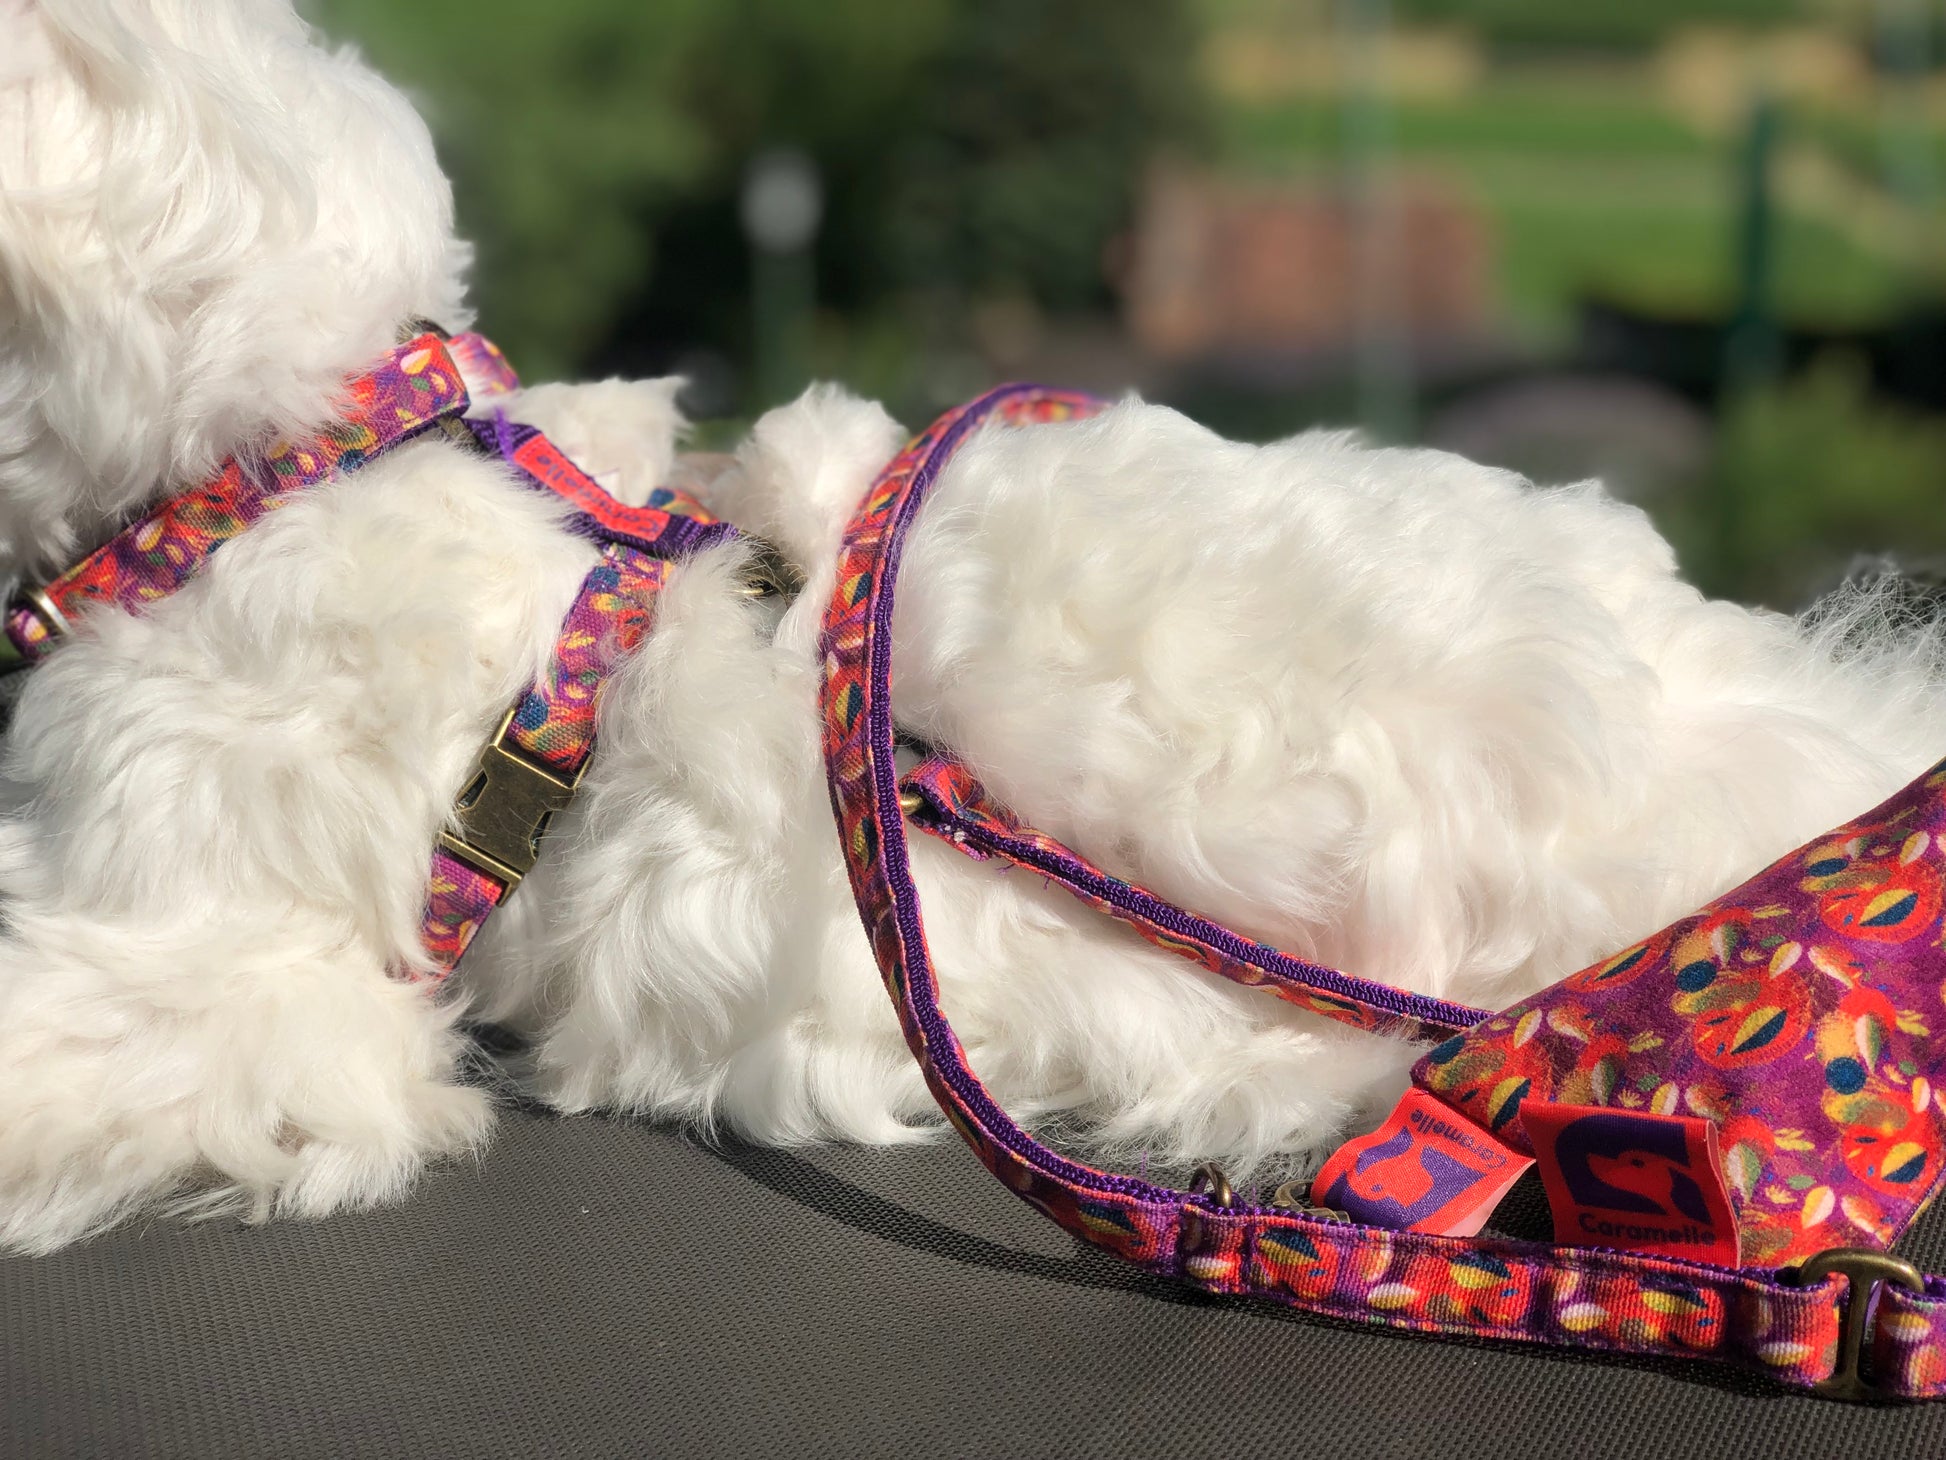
957 809
538 756
540 753
1485 1288
486 370
671 524
414 387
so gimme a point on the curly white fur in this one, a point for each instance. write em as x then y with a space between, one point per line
1385 708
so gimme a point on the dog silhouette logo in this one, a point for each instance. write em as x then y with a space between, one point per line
1618 1178
1400 1182
1427 1169
1646 1181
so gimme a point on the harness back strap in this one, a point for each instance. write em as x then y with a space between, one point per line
1786 1325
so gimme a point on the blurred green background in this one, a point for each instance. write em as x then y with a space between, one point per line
1696 247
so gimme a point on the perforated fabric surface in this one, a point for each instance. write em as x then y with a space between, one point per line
596 1287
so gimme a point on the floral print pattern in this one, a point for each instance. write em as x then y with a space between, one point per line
1794 1012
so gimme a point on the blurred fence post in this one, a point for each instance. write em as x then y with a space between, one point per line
1752 346
1904 46
1382 356
1752 349
781 206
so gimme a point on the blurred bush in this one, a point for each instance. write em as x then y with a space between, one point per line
1810 476
969 147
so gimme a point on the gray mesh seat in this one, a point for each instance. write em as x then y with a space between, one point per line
597 1287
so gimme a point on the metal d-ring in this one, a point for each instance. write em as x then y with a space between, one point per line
1296 1195
1209 1180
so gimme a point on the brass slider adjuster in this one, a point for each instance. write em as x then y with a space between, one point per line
504 811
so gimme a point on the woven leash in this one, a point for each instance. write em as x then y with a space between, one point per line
1803 1328
944 799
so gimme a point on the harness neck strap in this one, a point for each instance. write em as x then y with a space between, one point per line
1784 1325
418 386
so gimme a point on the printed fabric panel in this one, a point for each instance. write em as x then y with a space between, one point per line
1794 1013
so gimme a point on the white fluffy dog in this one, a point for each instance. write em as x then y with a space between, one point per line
1387 709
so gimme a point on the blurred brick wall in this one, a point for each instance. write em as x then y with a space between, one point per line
1221 264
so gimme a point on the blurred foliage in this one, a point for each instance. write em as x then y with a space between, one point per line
981 161
1810 476
1027 136
968 147
1592 25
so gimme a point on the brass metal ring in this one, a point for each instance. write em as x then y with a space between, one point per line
1209 1180
47 610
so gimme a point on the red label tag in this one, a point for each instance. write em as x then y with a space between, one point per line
1427 1169
1629 1179
542 459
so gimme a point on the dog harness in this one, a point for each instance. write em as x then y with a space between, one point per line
1732 1119
529 769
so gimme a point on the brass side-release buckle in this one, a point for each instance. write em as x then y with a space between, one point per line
1863 1270
504 811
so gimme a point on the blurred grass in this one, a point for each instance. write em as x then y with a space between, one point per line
1605 25
1514 115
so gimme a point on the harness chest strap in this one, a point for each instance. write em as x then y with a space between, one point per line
1803 1327
530 769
